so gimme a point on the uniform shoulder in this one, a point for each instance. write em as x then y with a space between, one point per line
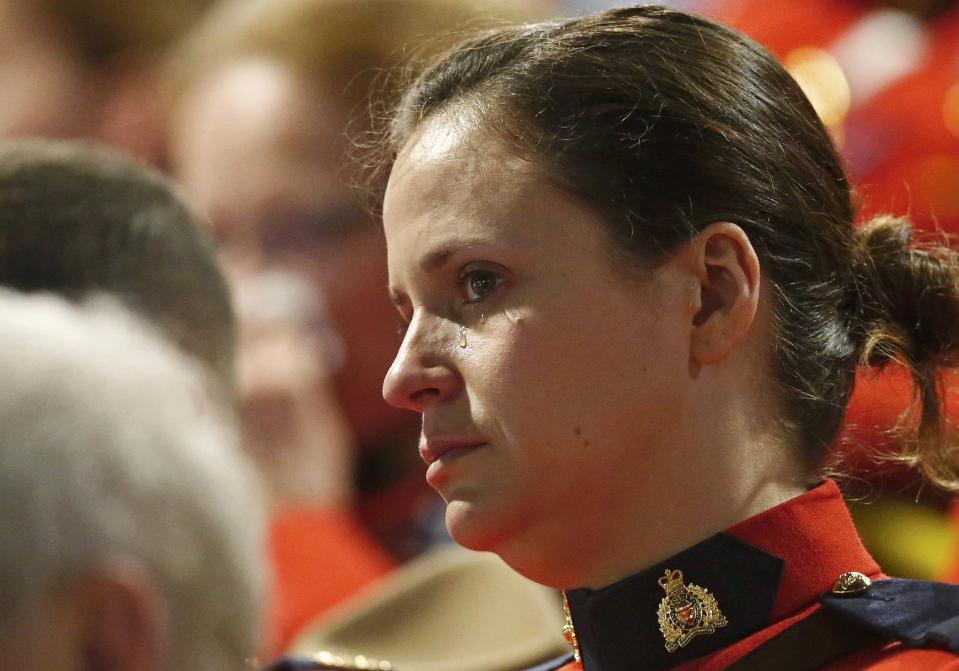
921 614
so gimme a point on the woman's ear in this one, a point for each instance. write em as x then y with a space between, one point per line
727 269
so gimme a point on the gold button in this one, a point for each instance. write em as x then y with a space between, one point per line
851 584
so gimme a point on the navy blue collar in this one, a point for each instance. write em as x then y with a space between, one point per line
727 586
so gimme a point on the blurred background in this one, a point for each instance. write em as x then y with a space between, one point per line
253 107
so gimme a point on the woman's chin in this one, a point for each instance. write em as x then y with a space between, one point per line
473 526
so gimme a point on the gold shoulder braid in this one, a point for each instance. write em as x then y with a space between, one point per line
568 631
686 611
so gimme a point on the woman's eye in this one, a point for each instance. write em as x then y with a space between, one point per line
478 284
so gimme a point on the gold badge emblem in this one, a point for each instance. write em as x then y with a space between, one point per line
686 611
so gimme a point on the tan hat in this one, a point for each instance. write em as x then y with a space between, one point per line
449 610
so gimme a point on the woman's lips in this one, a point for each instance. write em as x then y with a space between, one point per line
444 459
433 449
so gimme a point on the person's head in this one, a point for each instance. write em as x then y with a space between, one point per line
624 247
263 93
76 219
131 526
85 68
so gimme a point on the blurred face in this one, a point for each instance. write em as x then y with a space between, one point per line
546 377
260 152
46 89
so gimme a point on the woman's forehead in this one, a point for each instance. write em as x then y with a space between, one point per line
457 170
469 197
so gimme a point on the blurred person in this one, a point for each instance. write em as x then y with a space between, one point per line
89 69
132 529
266 96
77 219
265 93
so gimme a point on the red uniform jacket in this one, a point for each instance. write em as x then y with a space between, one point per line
710 605
766 574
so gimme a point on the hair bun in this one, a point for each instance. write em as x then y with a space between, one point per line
907 294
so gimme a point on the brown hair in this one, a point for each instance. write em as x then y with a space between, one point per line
77 220
665 122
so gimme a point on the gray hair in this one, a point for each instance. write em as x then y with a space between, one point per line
112 454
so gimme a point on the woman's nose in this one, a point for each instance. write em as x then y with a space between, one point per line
421 374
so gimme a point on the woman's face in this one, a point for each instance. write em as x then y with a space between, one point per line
546 376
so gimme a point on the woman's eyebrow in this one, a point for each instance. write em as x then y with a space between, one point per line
437 258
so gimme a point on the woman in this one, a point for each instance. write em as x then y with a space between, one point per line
633 302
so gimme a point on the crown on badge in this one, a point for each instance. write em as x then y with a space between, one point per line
672 582
686 611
